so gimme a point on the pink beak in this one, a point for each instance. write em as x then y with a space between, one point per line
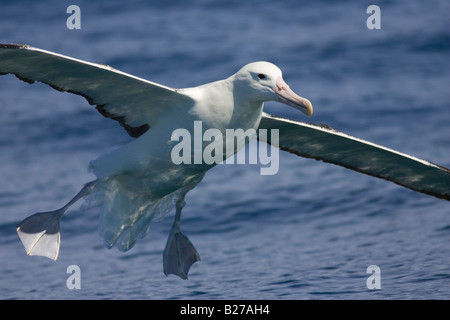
289 97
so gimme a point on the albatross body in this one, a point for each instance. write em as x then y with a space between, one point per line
140 181
142 176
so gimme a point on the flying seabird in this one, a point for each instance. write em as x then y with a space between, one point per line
140 181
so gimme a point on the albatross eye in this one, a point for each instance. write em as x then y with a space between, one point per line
261 76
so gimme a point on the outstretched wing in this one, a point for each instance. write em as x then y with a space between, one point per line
136 103
326 144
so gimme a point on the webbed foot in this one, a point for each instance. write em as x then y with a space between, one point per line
40 235
179 254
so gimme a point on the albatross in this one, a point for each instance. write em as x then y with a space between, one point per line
139 181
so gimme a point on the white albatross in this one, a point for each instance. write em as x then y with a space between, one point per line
139 181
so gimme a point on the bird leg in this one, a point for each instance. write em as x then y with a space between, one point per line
179 253
40 234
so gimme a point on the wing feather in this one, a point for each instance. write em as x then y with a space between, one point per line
328 145
134 102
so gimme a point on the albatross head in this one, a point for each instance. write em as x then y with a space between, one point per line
267 84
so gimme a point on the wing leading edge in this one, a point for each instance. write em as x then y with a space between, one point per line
326 144
134 102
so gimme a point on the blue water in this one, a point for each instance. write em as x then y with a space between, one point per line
309 232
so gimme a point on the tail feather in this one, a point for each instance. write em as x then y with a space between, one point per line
126 214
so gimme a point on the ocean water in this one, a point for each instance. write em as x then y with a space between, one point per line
308 232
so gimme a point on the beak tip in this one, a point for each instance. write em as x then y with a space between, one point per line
309 108
287 96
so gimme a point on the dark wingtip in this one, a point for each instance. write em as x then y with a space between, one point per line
14 46
134 132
